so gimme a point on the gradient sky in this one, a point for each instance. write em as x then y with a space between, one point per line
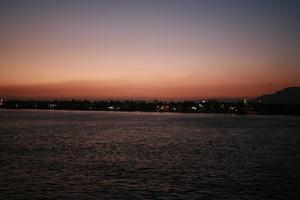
148 49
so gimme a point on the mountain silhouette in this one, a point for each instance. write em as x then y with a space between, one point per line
287 96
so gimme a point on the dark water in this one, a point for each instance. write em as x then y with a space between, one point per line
100 155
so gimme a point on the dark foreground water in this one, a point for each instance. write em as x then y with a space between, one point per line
101 155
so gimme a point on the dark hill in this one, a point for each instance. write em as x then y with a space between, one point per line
290 95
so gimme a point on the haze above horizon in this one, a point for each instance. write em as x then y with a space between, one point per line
148 49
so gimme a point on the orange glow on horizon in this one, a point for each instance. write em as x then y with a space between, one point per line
98 90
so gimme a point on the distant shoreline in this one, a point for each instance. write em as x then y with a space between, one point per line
202 106
120 111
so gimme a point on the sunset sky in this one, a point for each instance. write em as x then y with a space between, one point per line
148 49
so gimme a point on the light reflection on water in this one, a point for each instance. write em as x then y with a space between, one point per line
92 155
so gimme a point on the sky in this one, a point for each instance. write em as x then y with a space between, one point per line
138 49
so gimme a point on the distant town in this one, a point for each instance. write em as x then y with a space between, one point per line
285 101
201 106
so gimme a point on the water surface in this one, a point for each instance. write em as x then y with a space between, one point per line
103 155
